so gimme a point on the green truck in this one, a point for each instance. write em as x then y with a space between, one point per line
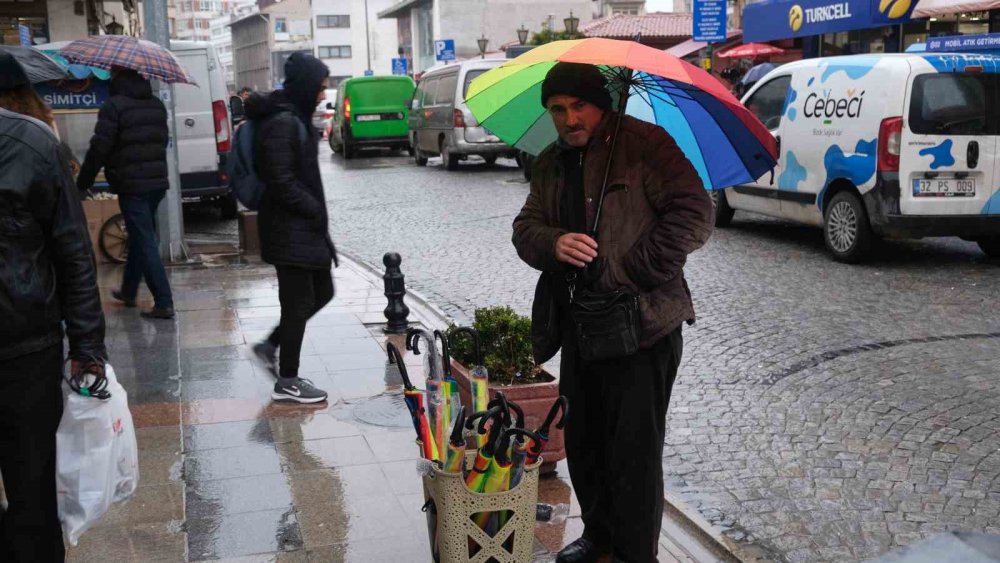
371 112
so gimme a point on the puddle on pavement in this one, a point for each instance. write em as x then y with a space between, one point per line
386 410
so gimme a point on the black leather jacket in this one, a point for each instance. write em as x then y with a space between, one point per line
47 272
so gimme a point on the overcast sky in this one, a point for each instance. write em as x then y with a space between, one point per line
659 5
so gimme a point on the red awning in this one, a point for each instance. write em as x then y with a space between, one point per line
933 8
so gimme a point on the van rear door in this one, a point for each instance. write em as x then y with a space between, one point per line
196 143
949 144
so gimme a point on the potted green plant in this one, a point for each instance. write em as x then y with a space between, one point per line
505 339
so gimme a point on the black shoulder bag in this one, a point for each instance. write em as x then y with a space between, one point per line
606 324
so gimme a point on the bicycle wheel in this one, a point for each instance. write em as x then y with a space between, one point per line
113 239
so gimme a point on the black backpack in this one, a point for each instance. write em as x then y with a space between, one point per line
243 178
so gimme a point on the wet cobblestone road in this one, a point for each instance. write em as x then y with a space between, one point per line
823 412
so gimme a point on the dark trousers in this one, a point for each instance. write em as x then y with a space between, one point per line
144 260
302 293
614 443
31 405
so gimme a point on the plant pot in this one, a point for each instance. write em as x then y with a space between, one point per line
535 398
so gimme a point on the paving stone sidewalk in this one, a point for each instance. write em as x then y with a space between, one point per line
226 474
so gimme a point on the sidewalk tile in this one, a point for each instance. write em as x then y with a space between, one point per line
160 414
222 410
222 497
321 487
244 534
148 505
159 439
157 468
310 427
227 435
358 520
330 452
243 461
397 446
403 477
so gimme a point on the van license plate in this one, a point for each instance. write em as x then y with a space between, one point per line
944 187
371 117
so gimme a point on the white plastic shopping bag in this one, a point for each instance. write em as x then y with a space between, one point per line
97 460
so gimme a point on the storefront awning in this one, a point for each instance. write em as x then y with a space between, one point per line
690 46
934 8
784 19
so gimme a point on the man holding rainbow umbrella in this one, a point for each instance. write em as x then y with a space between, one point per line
628 140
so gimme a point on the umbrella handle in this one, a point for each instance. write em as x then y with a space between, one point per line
474 335
562 403
396 358
622 104
445 353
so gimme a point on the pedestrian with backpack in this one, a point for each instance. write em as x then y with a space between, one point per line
292 215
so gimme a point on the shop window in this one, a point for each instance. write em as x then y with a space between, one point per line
335 52
325 22
281 25
768 102
953 104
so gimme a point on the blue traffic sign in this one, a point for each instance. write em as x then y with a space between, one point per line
444 49
709 21
400 67
369 72
25 35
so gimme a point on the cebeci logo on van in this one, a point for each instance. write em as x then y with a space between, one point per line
797 16
827 107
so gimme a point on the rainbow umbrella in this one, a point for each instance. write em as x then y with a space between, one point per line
475 481
449 386
435 388
414 400
561 404
726 143
478 376
456 446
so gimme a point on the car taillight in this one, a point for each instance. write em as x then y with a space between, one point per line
221 118
890 135
347 108
459 119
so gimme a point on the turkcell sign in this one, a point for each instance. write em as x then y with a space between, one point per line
769 21
709 21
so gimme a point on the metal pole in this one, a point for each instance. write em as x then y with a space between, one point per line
368 39
170 219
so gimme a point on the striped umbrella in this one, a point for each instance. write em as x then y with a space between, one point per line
726 143
150 60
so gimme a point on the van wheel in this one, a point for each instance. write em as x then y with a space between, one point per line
449 160
333 146
846 230
490 160
990 246
410 150
228 206
723 213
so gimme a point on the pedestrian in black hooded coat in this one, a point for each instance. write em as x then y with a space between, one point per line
292 219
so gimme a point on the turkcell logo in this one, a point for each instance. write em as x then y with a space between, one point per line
893 9
826 106
833 12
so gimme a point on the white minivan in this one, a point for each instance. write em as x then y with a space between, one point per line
882 145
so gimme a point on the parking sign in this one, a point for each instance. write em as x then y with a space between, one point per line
444 49
400 67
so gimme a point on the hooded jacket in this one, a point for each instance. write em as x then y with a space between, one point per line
656 212
47 274
130 140
292 220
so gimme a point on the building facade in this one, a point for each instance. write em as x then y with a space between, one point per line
422 22
625 7
352 41
263 40
48 21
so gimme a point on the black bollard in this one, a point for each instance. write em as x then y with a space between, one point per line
395 289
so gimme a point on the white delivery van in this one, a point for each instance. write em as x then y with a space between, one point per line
888 145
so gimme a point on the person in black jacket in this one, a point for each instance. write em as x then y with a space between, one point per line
47 280
292 219
130 143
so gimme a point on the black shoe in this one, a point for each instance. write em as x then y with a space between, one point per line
266 354
119 296
580 551
158 313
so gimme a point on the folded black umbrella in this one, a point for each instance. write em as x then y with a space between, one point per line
37 65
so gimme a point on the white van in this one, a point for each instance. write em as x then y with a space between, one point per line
888 145
441 123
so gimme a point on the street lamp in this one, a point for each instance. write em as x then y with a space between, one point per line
114 28
522 35
483 42
571 23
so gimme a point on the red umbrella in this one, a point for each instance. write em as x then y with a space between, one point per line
122 51
751 50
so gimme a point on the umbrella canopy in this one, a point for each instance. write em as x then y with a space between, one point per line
693 107
757 72
37 65
751 50
122 51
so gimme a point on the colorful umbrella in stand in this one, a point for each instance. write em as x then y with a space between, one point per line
449 390
509 466
414 400
123 51
456 446
726 143
478 376
435 388
561 404
522 449
475 480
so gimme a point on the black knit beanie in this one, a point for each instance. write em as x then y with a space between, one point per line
578 80
11 73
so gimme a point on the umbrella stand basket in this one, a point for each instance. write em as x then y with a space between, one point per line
459 539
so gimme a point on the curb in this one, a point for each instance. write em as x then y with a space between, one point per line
433 316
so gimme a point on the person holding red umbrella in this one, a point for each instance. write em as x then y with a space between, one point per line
653 210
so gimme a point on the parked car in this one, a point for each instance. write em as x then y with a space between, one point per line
862 160
371 111
324 110
441 123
